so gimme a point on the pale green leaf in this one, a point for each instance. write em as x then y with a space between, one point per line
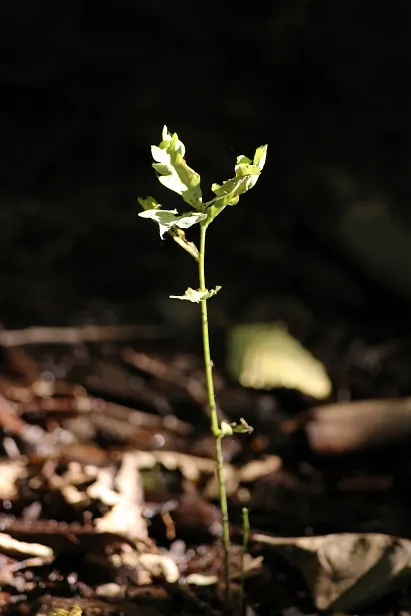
195 295
226 429
244 169
149 203
246 176
242 427
265 355
260 156
173 171
167 219
243 160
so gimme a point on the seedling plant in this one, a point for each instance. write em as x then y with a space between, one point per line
174 173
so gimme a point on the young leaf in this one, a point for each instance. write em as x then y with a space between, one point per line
226 429
246 176
260 156
243 159
242 427
173 171
195 295
149 203
167 219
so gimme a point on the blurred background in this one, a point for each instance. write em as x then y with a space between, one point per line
86 89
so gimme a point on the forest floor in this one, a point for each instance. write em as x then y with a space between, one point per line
108 498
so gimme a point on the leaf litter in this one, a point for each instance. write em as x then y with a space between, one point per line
108 498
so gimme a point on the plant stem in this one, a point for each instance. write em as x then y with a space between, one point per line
246 532
215 428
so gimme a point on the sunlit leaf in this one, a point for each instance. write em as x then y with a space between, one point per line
241 159
265 355
246 176
195 295
167 219
242 427
173 171
260 156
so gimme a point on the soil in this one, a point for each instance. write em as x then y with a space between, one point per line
116 418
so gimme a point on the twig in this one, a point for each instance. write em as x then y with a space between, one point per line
76 335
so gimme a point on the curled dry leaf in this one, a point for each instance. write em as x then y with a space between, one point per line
109 590
259 468
60 536
13 546
125 517
10 472
199 579
348 570
141 566
160 566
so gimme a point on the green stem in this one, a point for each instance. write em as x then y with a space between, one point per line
215 428
246 533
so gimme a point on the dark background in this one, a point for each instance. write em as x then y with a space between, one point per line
86 89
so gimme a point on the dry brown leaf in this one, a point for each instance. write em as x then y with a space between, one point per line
254 470
10 545
10 472
345 571
349 426
160 566
195 468
126 517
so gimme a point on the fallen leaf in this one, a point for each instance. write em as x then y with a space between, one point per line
346 571
126 517
10 472
160 566
254 470
13 546
265 355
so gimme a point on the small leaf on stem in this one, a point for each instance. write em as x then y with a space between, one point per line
173 171
246 176
226 429
242 427
195 295
167 219
149 203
